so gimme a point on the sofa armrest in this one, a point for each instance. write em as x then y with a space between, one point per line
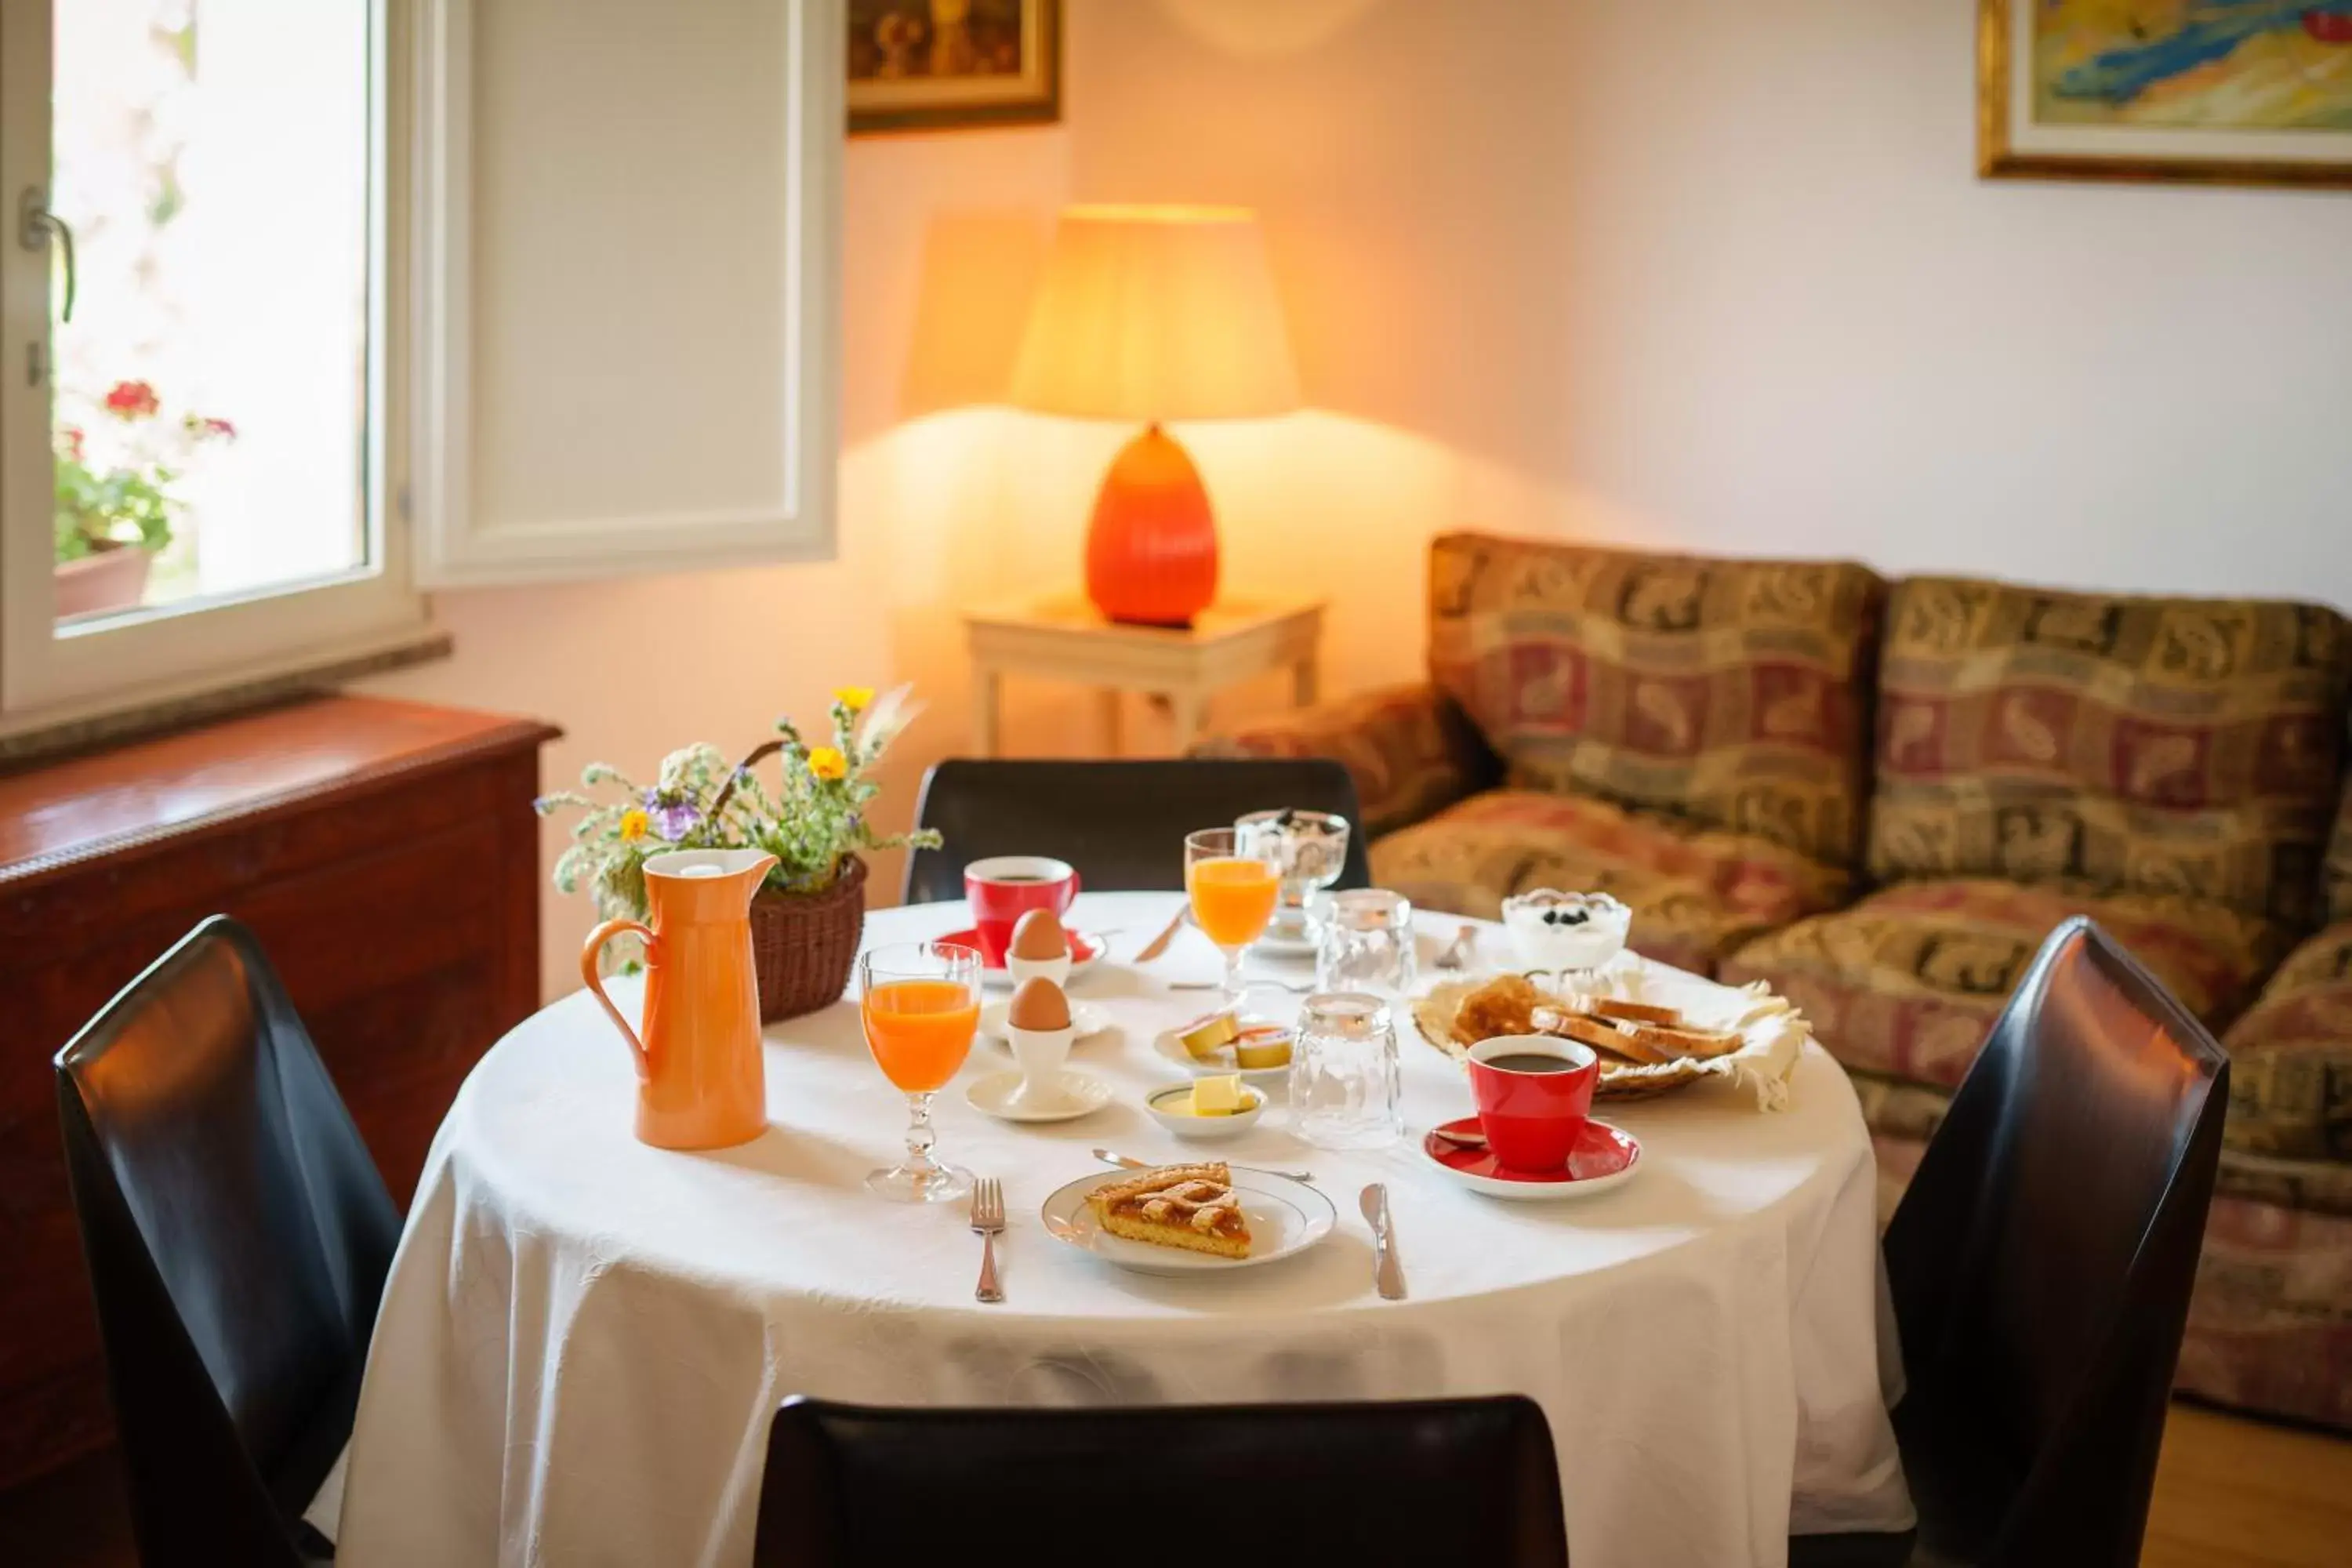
1410 749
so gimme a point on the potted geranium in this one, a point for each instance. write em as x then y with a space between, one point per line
813 817
114 512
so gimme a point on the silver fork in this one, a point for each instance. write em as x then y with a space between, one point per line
988 1218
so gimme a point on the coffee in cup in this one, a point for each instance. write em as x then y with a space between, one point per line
1535 1097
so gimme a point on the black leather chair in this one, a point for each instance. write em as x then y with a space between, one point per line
1121 824
237 1237
2041 1263
1250 1486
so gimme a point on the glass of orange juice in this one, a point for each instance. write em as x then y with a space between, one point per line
920 1002
1234 883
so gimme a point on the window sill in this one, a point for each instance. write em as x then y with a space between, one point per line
38 734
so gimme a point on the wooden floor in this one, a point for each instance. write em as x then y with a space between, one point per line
2241 1494
2230 1494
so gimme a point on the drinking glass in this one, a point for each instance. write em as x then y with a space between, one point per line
1367 943
1345 1090
920 1002
1234 889
1310 849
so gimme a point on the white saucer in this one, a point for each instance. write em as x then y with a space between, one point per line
1286 1218
1085 1017
1082 1095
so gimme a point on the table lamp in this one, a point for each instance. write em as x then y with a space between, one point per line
1151 314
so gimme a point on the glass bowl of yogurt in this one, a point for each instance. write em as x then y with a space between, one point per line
1553 930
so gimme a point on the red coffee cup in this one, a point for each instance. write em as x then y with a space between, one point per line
1006 887
1533 1115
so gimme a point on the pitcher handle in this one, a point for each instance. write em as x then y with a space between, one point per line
588 956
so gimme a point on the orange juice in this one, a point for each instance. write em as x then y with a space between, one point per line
920 1030
1233 899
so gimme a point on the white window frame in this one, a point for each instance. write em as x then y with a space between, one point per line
426 529
172 652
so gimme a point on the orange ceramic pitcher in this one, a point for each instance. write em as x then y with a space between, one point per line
700 1084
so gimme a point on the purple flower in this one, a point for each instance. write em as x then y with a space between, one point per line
672 819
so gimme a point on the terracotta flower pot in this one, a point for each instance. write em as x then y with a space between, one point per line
114 578
804 945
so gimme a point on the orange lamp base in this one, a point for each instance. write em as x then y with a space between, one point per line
1152 548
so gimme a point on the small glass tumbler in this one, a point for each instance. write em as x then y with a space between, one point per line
1367 943
1344 1091
1309 850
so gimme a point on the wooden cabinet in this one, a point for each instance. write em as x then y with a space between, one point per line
387 855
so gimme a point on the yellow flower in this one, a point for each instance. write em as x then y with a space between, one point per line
827 763
855 697
634 823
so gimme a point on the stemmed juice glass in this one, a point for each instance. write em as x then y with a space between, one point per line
920 1002
1233 883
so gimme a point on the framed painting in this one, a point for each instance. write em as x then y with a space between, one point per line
2242 91
934 65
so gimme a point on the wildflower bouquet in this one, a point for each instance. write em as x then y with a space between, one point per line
812 818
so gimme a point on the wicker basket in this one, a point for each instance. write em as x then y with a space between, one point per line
803 944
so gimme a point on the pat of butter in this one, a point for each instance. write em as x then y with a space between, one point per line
1218 1095
1202 1036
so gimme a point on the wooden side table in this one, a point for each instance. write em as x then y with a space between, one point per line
1064 638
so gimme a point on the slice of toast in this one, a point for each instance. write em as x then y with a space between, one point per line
1615 1041
1635 1012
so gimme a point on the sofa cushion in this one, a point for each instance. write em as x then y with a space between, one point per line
1694 892
1408 749
2129 745
1907 982
1731 693
2339 862
2291 1056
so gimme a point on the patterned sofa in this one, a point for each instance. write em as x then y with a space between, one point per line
1885 834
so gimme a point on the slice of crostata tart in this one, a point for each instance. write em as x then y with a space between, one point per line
1190 1206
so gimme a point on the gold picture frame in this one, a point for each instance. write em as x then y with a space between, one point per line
940 65
2013 142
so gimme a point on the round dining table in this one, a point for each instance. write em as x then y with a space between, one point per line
583 1339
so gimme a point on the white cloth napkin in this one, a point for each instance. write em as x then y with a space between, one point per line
1773 1032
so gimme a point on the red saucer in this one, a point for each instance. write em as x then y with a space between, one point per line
1605 1156
1084 949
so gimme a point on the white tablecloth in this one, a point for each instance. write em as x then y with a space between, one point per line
583 1339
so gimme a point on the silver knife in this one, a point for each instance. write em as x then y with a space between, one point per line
1387 1272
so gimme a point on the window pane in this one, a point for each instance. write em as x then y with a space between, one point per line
212 390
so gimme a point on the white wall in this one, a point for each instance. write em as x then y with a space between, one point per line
1700 273
1720 274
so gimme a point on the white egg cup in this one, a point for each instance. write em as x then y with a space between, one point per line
1040 1054
1056 969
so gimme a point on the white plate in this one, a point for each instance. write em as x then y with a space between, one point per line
1286 1218
1083 1094
1168 1045
1086 1018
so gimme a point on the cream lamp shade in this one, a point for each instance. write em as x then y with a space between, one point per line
1156 313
